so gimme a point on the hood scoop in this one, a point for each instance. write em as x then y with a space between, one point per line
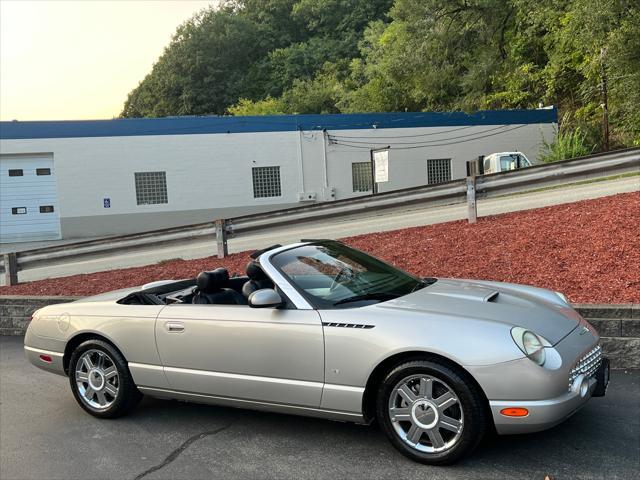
491 297
465 292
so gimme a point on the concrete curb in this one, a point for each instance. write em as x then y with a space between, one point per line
619 328
630 311
618 325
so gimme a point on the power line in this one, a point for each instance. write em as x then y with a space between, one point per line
409 136
348 144
372 140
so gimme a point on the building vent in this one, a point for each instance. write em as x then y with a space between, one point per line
438 170
361 176
151 188
266 182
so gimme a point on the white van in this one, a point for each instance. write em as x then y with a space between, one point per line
505 161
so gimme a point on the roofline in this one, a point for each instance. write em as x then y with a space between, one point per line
195 125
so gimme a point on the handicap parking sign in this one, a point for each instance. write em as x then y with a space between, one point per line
106 202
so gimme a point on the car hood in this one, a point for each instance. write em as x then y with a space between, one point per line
541 311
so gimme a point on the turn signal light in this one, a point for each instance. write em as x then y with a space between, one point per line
46 358
514 412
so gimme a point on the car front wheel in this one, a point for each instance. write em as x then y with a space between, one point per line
100 380
430 413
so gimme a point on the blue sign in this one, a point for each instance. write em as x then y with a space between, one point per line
106 202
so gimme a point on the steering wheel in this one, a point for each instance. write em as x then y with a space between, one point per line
344 272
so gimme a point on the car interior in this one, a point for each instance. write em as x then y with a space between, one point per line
215 287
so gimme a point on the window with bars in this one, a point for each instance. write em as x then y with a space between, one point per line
151 188
266 182
438 170
361 176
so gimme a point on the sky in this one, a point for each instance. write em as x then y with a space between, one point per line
78 59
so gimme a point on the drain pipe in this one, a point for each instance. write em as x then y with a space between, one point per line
324 160
300 160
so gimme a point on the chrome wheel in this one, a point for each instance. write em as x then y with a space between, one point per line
426 413
97 379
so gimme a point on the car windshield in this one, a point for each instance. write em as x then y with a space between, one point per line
513 161
332 275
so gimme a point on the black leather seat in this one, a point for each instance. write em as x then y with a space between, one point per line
257 279
212 289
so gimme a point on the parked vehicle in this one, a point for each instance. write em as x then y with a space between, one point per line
318 328
505 161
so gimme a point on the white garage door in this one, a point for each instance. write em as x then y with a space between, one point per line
28 199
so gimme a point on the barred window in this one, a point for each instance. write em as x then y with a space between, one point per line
361 176
266 182
151 188
438 170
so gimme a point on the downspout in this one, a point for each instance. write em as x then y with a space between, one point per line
324 158
300 160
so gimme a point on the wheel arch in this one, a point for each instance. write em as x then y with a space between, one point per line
386 365
81 337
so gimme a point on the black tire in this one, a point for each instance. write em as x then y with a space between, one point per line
127 396
470 402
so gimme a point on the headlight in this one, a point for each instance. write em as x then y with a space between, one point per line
530 343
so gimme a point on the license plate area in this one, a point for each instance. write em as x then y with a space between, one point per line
602 378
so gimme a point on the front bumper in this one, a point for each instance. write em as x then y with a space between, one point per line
544 414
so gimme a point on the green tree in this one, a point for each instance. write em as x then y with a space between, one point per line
268 106
258 57
566 145
250 49
204 68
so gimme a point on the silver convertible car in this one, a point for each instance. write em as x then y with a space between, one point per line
318 328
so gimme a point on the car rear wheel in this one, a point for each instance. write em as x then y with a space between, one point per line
100 380
430 413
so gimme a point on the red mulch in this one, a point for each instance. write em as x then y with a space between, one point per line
589 250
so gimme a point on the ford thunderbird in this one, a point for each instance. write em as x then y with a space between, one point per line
318 328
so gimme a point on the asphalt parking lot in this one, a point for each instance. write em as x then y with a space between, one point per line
45 435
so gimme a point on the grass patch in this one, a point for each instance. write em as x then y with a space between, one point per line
573 184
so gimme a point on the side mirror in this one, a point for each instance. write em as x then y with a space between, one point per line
265 298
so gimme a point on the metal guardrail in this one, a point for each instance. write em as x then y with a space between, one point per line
456 191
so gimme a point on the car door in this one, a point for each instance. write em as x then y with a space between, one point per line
234 351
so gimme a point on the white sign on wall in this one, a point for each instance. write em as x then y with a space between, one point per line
381 164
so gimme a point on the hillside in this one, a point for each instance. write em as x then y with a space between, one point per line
255 57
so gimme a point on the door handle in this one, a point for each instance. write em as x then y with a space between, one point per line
173 327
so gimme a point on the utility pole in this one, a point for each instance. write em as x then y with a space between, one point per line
605 100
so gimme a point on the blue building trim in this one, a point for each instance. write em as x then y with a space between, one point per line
273 123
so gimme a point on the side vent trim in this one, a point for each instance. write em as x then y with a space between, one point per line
347 325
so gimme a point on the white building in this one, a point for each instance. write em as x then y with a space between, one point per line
66 179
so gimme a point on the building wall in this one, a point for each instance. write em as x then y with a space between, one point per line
209 175
408 166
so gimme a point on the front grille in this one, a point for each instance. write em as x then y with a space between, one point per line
587 365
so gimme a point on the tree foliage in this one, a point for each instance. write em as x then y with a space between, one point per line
567 145
257 57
